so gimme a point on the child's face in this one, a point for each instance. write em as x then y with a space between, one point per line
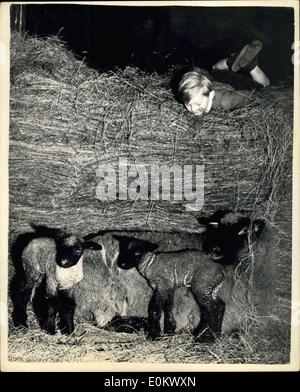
198 104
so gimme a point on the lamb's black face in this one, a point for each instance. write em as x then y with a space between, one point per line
223 242
227 234
71 248
132 250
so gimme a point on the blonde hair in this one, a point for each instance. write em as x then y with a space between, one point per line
192 82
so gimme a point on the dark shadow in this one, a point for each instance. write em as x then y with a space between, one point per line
130 324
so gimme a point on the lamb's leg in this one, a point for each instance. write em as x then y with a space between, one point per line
51 315
40 303
66 312
212 312
20 291
154 313
169 321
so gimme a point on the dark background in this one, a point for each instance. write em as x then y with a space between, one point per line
154 38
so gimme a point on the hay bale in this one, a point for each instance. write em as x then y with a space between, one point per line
67 119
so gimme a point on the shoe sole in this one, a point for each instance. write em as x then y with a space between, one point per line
246 55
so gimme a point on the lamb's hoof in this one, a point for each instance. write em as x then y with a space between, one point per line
170 329
50 330
21 324
67 331
153 335
207 336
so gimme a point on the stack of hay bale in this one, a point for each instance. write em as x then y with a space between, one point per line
67 120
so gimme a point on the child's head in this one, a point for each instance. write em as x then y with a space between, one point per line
193 91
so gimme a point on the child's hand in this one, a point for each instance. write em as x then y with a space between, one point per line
210 101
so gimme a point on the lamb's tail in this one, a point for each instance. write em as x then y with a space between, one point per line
17 249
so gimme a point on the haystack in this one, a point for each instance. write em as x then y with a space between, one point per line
67 119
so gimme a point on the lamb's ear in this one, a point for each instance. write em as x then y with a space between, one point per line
61 233
243 231
257 227
152 247
90 236
92 245
118 237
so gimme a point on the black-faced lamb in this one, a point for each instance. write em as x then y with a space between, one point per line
53 258
166 271
245 247
107 291
228 233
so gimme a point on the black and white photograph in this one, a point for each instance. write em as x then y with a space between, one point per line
150 168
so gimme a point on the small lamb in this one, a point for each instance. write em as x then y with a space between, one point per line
166 271
55 258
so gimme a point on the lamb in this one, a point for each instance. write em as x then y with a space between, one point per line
166 271
107 291
228 233
245 247
54 259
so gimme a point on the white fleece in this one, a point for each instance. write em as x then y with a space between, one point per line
68 277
